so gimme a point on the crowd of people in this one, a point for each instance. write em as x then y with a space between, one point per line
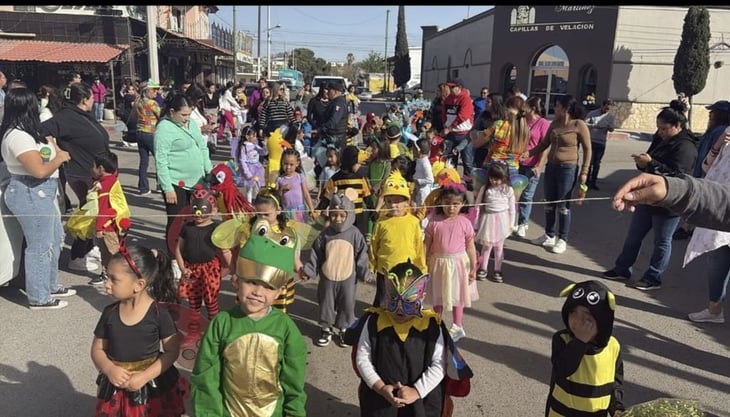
393 209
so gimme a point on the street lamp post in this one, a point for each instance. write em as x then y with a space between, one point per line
269 28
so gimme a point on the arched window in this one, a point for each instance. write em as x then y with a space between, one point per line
467 58
549 75
509 77
588 83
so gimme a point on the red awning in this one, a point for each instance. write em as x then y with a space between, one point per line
57 52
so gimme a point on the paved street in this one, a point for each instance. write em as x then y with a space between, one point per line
45 369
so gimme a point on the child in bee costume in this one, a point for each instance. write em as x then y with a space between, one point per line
587 376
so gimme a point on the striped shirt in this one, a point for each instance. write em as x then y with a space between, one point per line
341 181
277 111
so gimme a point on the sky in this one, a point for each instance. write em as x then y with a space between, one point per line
334 31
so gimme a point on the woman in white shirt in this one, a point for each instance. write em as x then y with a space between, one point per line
196 93
229 109
33 163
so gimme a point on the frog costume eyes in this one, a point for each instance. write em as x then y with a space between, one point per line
267 255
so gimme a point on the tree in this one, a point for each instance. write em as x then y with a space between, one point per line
374 63
304 60
402 66
692 62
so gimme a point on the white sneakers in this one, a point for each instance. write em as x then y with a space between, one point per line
559 247
456 332
544 241
553 244
521 230
84 264
705 316
94 253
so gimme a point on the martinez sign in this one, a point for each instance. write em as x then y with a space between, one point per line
522 19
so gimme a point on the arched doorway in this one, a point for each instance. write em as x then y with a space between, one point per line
588 83
509 78
549 76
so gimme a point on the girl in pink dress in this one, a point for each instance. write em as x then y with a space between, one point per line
451 257
496 204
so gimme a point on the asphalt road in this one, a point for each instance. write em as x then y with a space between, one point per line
45 369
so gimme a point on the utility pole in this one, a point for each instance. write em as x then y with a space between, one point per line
385 75
235 49
258 49
152 43
268 42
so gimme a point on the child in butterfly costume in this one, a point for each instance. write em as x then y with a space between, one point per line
404 355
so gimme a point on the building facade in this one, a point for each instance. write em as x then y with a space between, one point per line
625 53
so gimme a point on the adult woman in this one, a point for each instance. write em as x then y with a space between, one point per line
53 102
436 108
532 167
316 109
33 161
277 112
98 89
229 109
494 110
567 134
508 136
148 115
196 93
304 95
181 155
77 132
713 245
672 152
263 103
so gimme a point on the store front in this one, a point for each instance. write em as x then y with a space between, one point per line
551 51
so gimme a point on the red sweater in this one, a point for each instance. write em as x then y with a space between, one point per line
105 220
461 109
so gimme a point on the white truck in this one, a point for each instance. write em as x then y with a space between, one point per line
320 80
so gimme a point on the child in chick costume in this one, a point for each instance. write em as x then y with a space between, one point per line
407 362
252 358
588 372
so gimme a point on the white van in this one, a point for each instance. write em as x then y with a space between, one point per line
320 80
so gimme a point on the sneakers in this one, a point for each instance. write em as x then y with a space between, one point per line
522 230
341 340
593 186
99 280
614 276
84 264
94 254
457 333
482 274
705 316
54 304
644 285
497 277
544 241
63 292
324 338
148 192
559 247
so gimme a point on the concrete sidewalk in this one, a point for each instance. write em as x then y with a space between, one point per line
45 369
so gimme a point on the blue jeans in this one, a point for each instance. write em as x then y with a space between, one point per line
560 179
145 147
642 221
462 145
598 150
99 111
525 208
718 273
42 230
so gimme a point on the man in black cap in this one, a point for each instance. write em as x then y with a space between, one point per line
334 126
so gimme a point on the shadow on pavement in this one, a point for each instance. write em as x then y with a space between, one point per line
42 390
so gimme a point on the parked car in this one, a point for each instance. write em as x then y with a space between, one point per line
363 93
409 92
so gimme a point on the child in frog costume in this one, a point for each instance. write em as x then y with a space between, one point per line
225 381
